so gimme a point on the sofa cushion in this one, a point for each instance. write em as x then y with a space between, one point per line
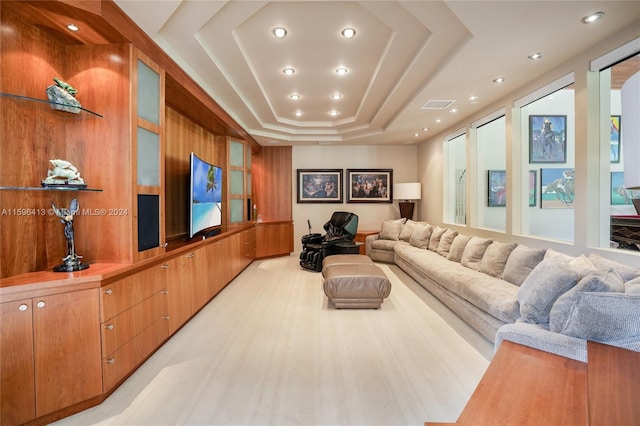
457 247
391 229
445 242
407 229
434 240
627 273
383 244
633 286
547 281
603 281
473 252
521 262
604 317
495 257
420 236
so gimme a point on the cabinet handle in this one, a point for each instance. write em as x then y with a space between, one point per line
41 304
110 361
108 291
166 317
165 291
23 307
165 245
108 327
165 266
190 255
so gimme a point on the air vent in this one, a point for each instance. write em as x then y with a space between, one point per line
433 104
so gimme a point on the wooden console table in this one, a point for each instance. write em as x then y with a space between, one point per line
525 386
361 236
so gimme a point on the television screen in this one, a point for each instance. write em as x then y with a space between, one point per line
206 196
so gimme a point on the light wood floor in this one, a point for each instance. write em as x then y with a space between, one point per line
269 350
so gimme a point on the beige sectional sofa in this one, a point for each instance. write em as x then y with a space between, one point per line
507 291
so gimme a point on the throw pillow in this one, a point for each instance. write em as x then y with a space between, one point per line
521 262
434 240
582 265
627 273
457 247
445 242
604 317
407 230
547 281
391 229
473 252
633 286
602 281
495 257
420 236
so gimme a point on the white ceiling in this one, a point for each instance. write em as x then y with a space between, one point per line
404 54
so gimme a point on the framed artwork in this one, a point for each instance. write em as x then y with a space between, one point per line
369 185
319 185
619 194
615 138
547 139
497 188
533 188
557 188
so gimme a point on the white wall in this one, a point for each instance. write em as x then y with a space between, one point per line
401 159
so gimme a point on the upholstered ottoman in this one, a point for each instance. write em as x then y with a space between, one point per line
355 285
342 259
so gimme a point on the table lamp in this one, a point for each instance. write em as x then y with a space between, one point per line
406 192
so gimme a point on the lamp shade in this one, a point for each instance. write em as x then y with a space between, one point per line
407 191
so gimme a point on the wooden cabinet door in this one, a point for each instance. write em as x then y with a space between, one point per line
67 349
16 363
274 239
180 293
196 262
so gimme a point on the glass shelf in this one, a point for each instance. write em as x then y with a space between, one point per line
46 102
42 188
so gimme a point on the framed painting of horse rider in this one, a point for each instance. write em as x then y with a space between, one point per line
557 188
547 139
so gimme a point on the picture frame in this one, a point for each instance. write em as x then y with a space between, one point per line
370 185
557 188
547 139
620 195
533 188
615 140
319 185
497 188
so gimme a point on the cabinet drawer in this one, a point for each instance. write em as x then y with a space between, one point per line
120 329
121 295
124 360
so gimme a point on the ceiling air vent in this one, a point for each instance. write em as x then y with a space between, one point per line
433 104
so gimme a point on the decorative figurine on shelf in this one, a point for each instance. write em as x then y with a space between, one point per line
72 262
62 97
64 174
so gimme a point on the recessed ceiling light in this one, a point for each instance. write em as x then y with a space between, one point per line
472 98
288 71
333 113
416 134
592 17
72 27
336 96
425 129
348 32
298 113
342 71
534 56
498 80
438 120
279 32
453 110
294 96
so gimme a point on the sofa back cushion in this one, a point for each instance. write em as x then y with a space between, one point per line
457 247
407 229
545 284
391 229
473 252
445 242
434 240
633 286
627 273
495 257
597 281
420 236
521 262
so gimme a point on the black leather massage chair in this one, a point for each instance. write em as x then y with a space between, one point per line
340 229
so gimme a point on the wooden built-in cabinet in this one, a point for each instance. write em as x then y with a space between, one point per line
50 356
274 239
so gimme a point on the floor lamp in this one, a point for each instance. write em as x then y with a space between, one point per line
406 193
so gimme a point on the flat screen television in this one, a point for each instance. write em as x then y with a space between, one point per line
205 196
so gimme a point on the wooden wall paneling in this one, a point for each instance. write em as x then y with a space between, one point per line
272 183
